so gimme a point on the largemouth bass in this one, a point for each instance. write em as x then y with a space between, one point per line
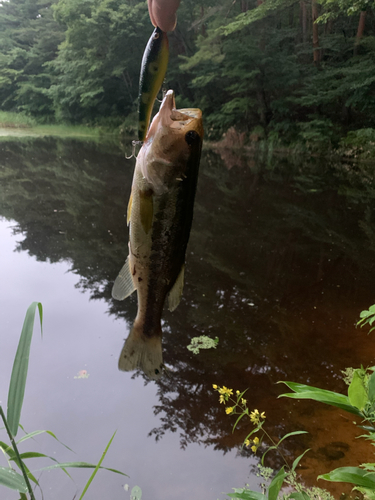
153 68
160 213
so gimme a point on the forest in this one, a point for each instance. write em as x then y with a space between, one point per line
283 70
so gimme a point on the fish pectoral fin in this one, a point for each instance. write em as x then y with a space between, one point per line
175 294
129 212
123 285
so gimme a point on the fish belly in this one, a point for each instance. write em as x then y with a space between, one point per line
157 246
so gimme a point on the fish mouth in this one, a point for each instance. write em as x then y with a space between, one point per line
179 120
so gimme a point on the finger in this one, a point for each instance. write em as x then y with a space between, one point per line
163 13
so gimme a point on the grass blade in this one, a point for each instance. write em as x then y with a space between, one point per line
35 433
79 465
97 467
20 366
12 480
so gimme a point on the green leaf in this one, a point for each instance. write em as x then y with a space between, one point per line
97 467
371 387
12 480
354 475
79 465
357 392
327 397
276 483
20 366
299 496
247 495
298 459
295 433
238 419
13 456
35 433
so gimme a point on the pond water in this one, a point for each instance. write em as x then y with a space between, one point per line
279 265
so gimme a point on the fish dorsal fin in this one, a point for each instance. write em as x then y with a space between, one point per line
123 285
146 209
175 294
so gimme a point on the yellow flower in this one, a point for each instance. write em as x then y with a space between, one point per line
238 393
263 415
225 391
255 445
243 401
222 399
229 410
254 416
214 386
247 442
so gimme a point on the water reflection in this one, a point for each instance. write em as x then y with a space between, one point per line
280 263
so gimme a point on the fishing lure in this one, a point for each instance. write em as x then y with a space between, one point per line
153 69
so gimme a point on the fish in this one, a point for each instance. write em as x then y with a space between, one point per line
153 69
159 216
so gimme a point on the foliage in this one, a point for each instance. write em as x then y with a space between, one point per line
360 401
368 318
8 477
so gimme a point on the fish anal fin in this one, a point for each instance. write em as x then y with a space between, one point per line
123 285
175 293
146 209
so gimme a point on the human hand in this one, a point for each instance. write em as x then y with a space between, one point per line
163 13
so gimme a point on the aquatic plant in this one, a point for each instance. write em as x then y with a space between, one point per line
237 405
202 342
8 476
359 401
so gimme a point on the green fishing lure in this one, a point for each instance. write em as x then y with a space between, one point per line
153 69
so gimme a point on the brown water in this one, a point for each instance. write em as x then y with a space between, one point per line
279 265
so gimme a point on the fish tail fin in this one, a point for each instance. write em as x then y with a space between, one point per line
142 351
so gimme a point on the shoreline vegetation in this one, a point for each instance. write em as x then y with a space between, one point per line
356 146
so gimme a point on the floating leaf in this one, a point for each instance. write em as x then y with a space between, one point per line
136 493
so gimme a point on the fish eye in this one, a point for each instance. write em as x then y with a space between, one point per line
191 137
156 36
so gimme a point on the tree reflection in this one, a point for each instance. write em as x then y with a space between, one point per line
279 264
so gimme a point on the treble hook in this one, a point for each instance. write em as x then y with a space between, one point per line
134 145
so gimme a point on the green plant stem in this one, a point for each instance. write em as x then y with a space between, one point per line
17 454
265 433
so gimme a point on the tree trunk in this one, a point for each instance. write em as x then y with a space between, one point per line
317 54
360 30
303 17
